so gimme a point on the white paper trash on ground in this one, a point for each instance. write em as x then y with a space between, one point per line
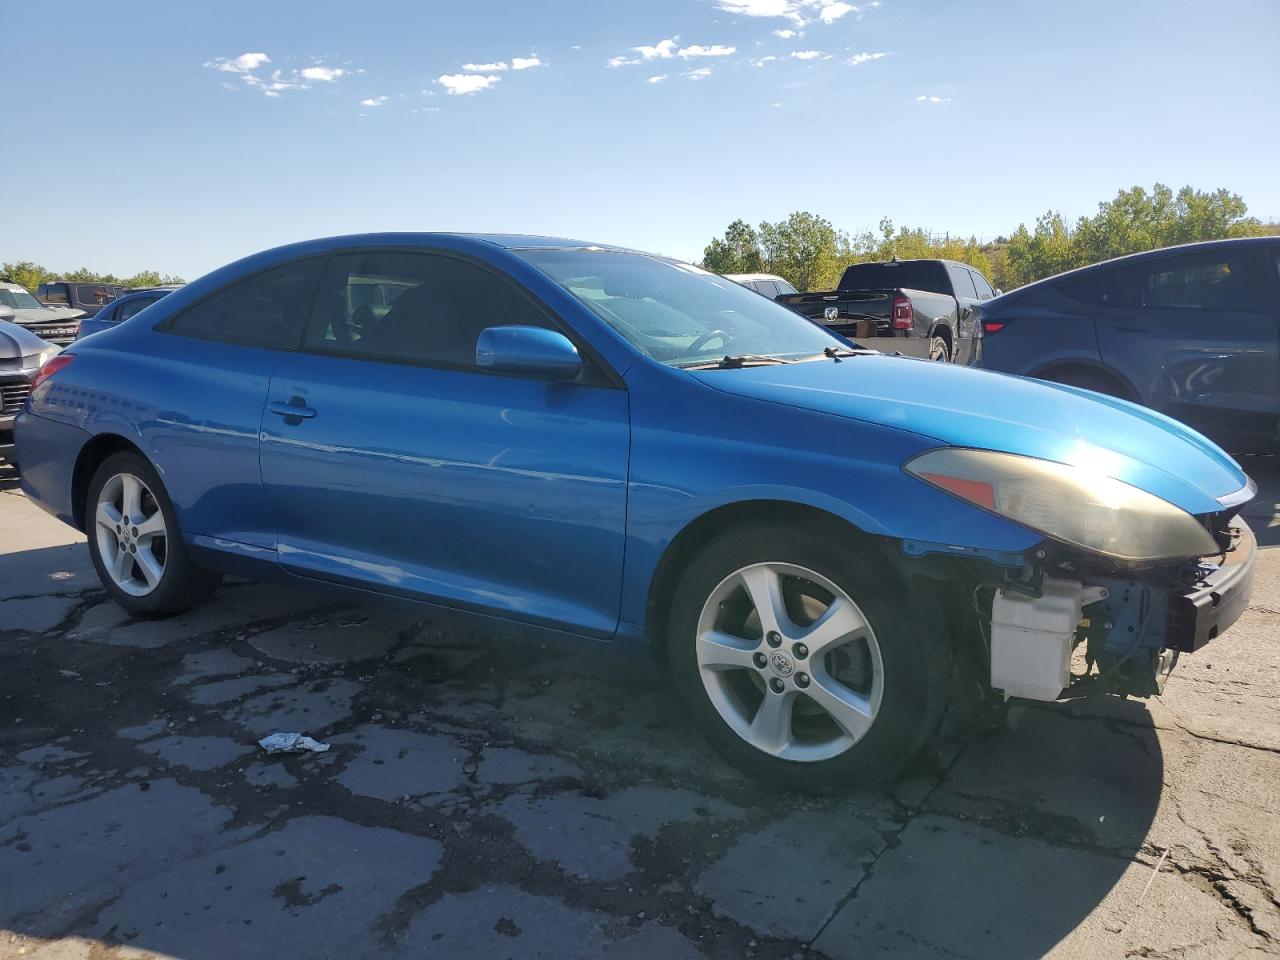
291 743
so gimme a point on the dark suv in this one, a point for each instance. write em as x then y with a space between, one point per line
89 297
1192 331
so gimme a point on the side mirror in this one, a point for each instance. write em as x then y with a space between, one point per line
528 350
999 292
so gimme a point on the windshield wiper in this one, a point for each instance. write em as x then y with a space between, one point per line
736 361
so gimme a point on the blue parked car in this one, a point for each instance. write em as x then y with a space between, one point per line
123 307
1192 331
820 542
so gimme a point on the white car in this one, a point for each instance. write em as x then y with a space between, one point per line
766 284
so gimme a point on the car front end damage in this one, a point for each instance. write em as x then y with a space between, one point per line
1066 624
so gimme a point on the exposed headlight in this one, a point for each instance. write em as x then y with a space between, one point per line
37 360
1067 503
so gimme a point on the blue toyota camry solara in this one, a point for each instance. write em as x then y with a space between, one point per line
825 546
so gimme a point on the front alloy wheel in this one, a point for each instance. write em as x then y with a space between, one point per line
789 662
803 656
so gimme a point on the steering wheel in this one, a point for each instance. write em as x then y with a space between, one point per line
706 338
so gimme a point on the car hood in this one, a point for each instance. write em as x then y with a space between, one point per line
964 407
46 315
16 342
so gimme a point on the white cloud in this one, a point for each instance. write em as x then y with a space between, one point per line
698 50
927 99
760 62
700 74
526 63
832 12
858 59
457 84
323 74
806 54
245 63
786 34
669 48
485 67
658 79
373 101
799 12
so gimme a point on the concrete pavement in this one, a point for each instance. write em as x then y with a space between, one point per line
493 794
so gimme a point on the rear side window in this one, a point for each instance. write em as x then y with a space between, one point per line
767 287
962 282
53 292
94 294
266 310
785 289
417 307
127 310
1116 287
1204 281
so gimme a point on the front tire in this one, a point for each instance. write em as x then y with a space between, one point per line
135 543
800 657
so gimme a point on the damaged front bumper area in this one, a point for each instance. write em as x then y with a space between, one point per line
1124 628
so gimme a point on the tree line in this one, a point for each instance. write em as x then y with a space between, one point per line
31 275
811 253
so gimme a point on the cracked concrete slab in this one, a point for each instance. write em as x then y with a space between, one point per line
57 863
592 836
504 921
207 664
224 691
391 764
311 708
197 753
508 765
787 878
35 614
314 888
334 636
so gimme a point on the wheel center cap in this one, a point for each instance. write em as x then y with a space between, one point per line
781 664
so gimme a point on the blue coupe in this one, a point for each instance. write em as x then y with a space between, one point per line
824 545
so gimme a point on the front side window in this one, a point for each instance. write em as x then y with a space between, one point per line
980 284
19 300
677 313
265 310
962 281
1207 281
418 307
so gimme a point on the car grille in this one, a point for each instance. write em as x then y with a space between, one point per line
62 333
12 395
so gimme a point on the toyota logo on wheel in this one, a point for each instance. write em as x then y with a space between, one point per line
782 664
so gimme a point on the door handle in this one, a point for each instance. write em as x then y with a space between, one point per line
296 410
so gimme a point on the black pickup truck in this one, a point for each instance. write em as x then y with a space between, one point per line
920 308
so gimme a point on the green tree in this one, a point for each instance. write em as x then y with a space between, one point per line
1049 250
804 249
31 275
738 251
25 273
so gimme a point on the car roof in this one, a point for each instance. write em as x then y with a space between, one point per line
10 285
1177 248
739 277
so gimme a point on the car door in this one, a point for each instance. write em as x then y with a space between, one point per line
1196 334
202 386
409 469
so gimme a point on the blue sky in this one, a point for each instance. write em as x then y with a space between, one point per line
179 136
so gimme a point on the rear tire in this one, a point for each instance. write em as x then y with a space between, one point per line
939 350
135 543
861 680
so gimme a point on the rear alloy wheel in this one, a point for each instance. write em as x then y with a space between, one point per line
135 543
790 653
938 349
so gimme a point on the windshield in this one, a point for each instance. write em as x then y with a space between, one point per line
677 313
19 300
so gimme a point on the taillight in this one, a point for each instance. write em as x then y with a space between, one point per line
52 366
903 318
992 326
